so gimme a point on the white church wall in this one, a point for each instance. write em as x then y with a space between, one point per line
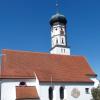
96 81
37 85
56 30
8 87
44 94
57 50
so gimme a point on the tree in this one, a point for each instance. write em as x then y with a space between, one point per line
96 93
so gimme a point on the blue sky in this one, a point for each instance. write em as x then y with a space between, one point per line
24 25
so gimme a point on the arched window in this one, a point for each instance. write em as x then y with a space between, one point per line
61 92
50 93
62 41
87 90
56 41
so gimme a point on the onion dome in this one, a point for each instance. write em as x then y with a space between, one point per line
58 18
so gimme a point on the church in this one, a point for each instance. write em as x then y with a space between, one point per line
58 75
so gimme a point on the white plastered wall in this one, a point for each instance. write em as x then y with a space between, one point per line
68 89
57 50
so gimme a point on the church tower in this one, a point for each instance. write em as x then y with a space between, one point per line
59 44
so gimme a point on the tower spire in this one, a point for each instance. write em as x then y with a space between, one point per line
57 6
58 33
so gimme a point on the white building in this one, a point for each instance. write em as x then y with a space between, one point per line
43 76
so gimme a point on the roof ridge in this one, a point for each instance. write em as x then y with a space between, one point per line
22 51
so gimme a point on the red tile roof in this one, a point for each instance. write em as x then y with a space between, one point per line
26 92
21 64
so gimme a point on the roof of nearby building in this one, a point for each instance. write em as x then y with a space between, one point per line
62 68
26 92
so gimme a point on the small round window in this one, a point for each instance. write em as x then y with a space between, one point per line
22 83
